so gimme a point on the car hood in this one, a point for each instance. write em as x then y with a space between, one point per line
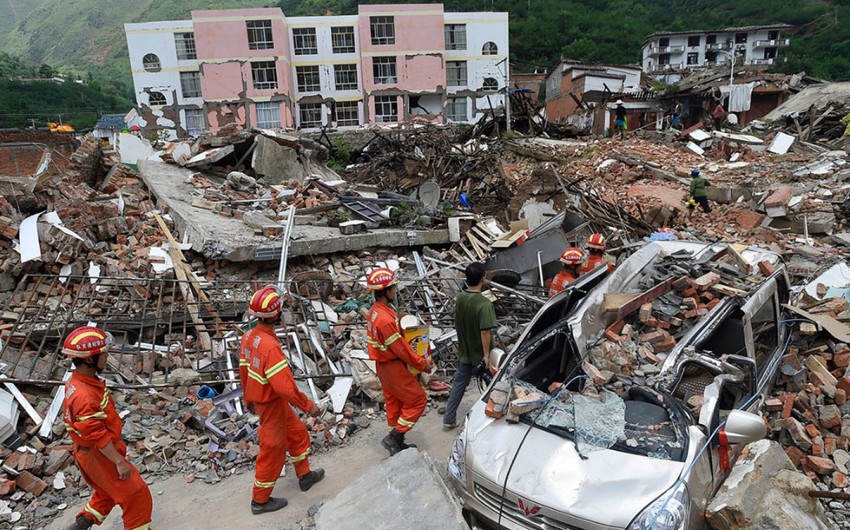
607 487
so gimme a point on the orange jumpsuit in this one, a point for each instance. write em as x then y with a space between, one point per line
595 260
392 354
92 421
268 385
561 280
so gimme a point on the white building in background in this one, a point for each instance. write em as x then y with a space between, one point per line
166 77
665 52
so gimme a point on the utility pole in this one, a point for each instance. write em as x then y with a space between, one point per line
507 92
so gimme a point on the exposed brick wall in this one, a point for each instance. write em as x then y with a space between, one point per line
62 142
19 160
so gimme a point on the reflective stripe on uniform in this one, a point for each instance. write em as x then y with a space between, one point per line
105 401
97 515
244 362
404 422
257 377
70 428
298 458
392 338
276 368
96 415
259 484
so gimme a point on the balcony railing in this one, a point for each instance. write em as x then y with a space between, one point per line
656 50
666 67
763 61
718 46
773 43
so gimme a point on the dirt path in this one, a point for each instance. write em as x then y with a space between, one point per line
199 506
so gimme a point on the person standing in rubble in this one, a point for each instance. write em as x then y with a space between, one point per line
846 120
677 114
405 397
475 318
719 114
596 254
620 119
572 258
268 389
698 190
95 429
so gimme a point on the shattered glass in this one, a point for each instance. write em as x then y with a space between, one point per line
599 422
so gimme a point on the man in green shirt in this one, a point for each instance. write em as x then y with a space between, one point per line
475 318
698 191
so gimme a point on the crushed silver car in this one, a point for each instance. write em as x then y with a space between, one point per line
597 421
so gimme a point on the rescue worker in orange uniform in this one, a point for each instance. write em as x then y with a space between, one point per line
95 429
269 389
572 259
392 354
596 248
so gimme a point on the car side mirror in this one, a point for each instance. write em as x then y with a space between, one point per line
744 427
497 355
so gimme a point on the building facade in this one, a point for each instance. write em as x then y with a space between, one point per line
666 52
259 68
572 83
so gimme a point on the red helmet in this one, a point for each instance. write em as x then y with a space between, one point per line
572 256
380 279
86 342
596 241
265 303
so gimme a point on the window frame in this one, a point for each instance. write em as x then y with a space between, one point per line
741 38
342 33
455 36
460 73
347 106
266 107
195 80
308 74
161 97
185 46
490 48
151 63
391 102
258 67
384 63
490 85
694 56
310 107
196 114
304 36
451 109
691 40
260 36
386 25
346 70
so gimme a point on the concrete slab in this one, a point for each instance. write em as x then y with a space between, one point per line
219 237
404 491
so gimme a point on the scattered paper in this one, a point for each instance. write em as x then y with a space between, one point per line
30 246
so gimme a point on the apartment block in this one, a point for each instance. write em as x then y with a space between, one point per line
571 82
665 52
259 68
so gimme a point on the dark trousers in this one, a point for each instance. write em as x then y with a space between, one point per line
703 203
459 384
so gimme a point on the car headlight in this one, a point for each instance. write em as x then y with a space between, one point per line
457 458
667 512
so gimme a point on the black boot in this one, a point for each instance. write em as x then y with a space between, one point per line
404 445
392 442
272 505
82 523
306 482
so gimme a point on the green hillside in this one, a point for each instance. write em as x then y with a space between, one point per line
14 11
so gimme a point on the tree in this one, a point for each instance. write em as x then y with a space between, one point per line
45 71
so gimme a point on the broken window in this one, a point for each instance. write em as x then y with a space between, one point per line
693 41
264 75
386 109
268 115
260 34
383 70
308 78
382 29
456 109
156 98
304 41
765 332
773 35
740 38
342 39
185 44
490 84
693 58
310 114
456 73
194 123
711 57
345 76
711 39
150 63
190 84
489 48
346 114
770 53
664 42
455 36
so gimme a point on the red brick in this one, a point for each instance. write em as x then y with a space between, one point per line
667 344
841 360
645 312
749 219
707 280
829 445
617 327
711 304
773 405
840 397
766 268
819 465
840 480
798 434
6 486
844 384
779 197
795 454
812 431
30 483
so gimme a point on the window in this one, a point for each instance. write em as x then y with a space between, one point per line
693 40
195 125
260 35
490 84
664 59
190 83
386 108
664 42
268 115
772 35
711 39
305 41
150 63
489 48
456 109
456 73
383 30
693 58
311 114
264 75
765 332
770 53
346 114
711 57
740 38
455 36
307 78
185 43
383 70
156 98
345 76
342 39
